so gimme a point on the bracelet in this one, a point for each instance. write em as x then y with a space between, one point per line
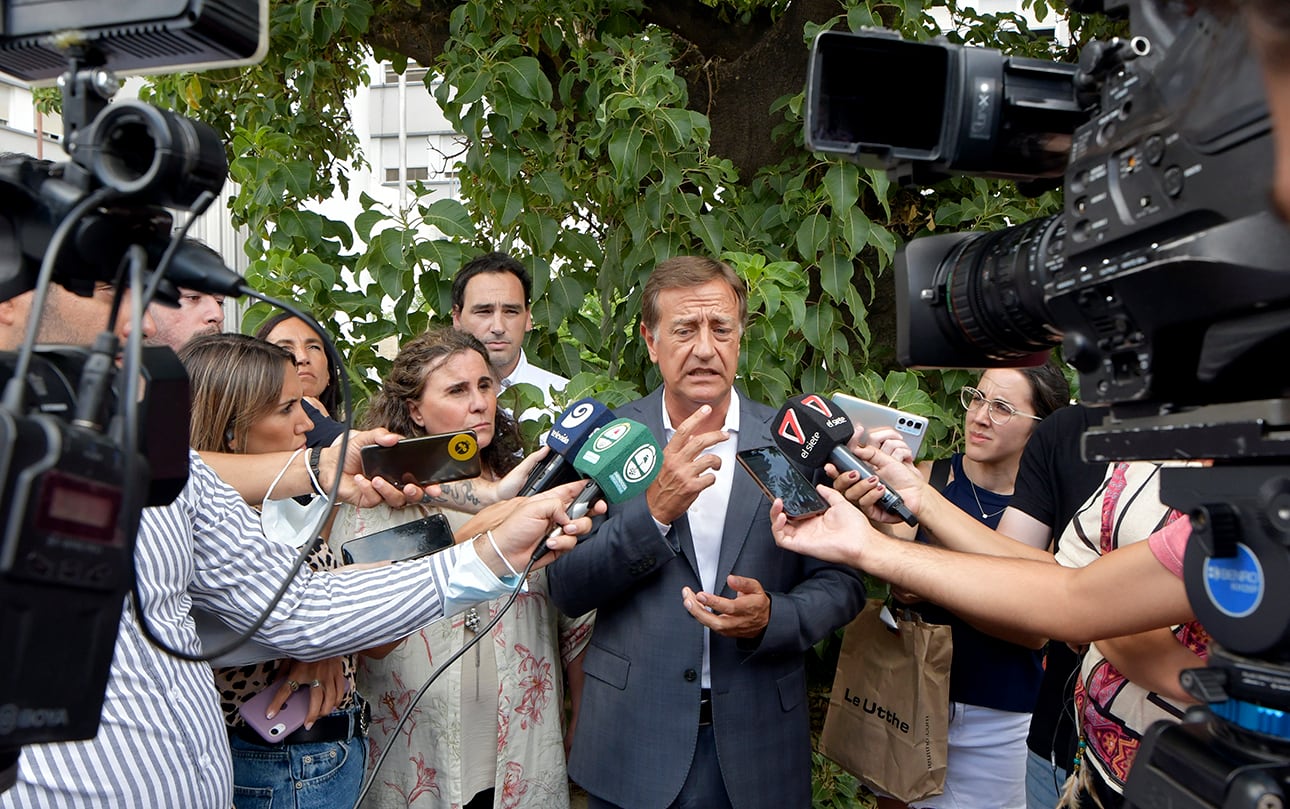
498 550
315 472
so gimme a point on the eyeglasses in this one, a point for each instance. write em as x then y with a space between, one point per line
1000 411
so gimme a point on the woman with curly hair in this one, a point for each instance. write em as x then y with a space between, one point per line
489 731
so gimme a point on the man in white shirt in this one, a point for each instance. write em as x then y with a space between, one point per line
490 300
695 686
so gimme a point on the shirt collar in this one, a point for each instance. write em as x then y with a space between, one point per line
732 415
520 365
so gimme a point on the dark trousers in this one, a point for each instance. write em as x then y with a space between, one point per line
703 788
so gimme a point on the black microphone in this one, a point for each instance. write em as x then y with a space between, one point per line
812 430
571 430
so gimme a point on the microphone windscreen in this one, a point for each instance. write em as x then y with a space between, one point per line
579 420
808 427
622 458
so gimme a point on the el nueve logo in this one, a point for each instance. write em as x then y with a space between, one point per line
886 714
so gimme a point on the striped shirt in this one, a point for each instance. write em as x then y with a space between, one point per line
162 741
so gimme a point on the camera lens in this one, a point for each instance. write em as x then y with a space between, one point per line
165 158
994 288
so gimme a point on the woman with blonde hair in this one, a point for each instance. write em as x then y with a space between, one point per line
246 399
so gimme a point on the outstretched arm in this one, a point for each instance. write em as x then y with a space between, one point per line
1126 591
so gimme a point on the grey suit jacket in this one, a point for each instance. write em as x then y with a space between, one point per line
638 723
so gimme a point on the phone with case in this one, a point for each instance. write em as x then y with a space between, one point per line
424 460
776 476
290 716
872 415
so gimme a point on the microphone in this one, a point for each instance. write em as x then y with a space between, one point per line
570 431
812 430
621 460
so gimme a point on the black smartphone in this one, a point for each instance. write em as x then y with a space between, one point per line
778 477
408 541
424 460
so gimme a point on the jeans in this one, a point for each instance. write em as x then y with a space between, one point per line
1043 785
320 775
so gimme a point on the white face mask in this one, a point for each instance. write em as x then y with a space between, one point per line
287 521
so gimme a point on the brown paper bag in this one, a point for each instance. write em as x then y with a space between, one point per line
888 717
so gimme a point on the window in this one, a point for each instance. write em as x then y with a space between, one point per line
415 74
414 173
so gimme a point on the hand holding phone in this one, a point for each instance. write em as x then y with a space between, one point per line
291 716
424 460
776 476
871 416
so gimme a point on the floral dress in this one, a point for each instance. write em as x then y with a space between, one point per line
426 766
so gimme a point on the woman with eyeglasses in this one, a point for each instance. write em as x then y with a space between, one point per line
993 682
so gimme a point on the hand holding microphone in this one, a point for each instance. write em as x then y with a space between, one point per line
620 460
813 431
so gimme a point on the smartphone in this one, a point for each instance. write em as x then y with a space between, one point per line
408 541
778 477
290 716
424 460
871 415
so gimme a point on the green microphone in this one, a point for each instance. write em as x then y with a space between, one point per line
621 460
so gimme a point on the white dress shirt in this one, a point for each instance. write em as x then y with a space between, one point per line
707 514
530 374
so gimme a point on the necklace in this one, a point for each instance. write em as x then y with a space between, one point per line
977 498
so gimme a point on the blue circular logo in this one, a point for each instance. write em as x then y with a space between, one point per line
1235 585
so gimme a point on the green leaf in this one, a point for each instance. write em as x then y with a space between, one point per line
550 184
623 148
842 184
508 204
811 236
709 230
525 78
450 218
899 387
835 275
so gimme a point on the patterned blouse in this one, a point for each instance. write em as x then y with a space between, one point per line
430 762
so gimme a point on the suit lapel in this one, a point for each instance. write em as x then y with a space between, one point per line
746 499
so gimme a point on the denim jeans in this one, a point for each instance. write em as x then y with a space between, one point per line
1043 782
319 775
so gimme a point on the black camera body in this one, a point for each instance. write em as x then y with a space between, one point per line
1166 281
67 535
1127 278
84 447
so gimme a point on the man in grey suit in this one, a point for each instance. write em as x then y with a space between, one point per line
695 691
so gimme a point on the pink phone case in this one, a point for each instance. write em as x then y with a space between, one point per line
291 716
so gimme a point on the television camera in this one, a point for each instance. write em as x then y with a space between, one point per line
1165 281
75 467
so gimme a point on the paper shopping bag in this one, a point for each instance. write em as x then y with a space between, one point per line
888 718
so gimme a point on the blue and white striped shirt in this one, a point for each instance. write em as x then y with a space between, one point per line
162 741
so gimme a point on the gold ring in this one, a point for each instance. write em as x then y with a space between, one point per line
293 685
